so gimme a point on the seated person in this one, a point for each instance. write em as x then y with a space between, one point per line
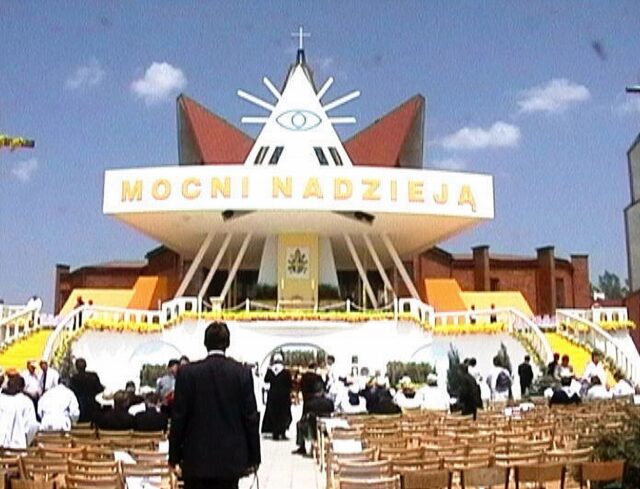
349 400
597 391
433 397
133 399
118 418
623 386
385 404
565 394
317 405
151 419
58 408
406 397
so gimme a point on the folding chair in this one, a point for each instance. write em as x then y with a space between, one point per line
384 483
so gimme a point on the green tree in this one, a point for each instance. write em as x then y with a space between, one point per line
611 286
453 374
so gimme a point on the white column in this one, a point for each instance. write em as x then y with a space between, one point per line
378 263
195 264
400 266
236 265
361 271
215 265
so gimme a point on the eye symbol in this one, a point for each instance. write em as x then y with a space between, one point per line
298 120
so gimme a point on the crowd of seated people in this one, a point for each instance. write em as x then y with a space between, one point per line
571 389
35 401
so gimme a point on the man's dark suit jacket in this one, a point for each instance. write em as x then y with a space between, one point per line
215 422
115 419
150 420
86 386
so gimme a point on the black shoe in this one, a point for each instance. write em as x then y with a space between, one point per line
299 451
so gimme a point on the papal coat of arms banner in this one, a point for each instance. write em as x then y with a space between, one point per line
297 262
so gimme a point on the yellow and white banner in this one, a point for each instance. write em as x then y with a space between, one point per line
238 188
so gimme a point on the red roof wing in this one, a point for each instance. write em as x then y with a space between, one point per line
381 143
218 142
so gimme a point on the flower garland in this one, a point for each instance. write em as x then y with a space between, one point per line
617 325
466 329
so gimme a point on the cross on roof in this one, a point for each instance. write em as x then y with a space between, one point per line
300 35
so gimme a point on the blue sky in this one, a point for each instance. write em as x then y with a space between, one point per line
515 89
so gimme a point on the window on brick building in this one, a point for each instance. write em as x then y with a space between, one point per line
560 302
494 284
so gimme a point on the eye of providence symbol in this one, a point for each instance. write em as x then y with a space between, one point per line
298 120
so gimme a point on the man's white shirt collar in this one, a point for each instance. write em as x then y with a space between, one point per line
216 352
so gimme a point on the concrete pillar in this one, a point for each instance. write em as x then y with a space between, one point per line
546 281
62 274
481 271
581 283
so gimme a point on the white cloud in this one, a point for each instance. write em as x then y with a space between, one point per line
85 76
450 164
160 81
554 97
630 105
499 135
23 170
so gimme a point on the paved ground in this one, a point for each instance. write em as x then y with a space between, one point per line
281 469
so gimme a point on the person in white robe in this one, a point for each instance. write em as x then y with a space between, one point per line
500 392
597 391
623 387
595 368
58 409
12 430
406 397
349 400
433 397
32 380
15 387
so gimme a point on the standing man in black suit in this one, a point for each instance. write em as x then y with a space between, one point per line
214 435
86 386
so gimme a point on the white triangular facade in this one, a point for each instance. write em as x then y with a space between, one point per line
298 134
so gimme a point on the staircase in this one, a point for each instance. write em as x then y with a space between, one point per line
579 356
29 347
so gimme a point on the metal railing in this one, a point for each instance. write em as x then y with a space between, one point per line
589 333
17 322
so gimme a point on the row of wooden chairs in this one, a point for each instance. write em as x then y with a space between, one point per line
78 474
490 477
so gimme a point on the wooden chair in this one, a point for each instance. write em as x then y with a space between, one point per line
426 464
393 453
384 483
513 459
95 469
458 463
82 481
62 452
486 477
157 475
82 432
601 472
540 474
36 468
10 466
31 484
431 479
98 454
144 456
109 434
364 470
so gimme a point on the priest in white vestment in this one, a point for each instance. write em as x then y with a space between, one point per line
58 409
12 431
